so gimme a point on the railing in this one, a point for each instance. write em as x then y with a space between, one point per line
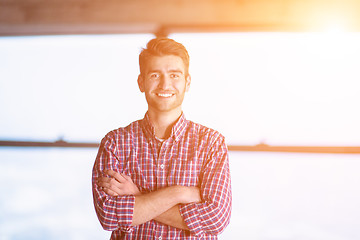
255 148
59 143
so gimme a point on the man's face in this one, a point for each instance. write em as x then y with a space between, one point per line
164 83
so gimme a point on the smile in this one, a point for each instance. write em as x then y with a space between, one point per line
165 95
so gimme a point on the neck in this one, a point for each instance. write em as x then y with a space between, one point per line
163 122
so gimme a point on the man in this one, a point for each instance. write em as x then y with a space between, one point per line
163 177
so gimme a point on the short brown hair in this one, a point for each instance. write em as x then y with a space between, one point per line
161 47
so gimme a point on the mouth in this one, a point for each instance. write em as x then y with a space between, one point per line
165 95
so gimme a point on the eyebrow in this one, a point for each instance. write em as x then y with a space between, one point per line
176 71
171 71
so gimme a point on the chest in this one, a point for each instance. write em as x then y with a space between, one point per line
154 164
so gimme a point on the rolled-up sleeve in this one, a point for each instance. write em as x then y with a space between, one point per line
213 214
114 213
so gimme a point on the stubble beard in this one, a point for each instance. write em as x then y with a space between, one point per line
159 105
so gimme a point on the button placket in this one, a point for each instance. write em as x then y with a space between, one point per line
161 164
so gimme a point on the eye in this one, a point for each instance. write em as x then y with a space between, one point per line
154 75
174 75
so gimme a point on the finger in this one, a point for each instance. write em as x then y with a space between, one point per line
126 177
126 187
111 189
103 180
110 192
109 183
116 175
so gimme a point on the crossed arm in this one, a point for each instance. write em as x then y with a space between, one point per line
119 204
161 205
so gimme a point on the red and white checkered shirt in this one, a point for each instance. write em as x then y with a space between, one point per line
193 155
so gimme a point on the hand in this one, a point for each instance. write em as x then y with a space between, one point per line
118 184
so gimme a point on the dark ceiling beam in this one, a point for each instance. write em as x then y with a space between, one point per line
34 17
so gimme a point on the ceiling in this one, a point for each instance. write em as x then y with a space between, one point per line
161 17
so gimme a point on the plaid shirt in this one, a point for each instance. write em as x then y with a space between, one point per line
192 156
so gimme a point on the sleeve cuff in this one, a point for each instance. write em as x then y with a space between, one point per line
125 213
189 213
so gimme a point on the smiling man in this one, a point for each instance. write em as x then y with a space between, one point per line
163 177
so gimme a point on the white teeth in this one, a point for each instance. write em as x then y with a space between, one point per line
164 94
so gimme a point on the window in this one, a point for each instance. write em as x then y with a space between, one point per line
277 88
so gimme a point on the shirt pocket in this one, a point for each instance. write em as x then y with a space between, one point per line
184 170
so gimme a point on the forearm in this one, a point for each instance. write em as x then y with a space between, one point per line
160 204
172 217
151 205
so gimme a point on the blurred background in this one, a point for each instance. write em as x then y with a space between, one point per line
279 79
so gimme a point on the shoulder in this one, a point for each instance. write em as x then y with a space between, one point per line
205 133
124 133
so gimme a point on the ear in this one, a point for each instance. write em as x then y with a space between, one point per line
140 81
187 82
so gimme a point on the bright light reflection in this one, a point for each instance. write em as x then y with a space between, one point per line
336 28
281 88
267 86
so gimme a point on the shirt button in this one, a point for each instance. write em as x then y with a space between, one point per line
162 166
159 144
160 238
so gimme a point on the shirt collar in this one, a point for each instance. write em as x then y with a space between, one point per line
177 130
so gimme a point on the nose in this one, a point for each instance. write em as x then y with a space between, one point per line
164 82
